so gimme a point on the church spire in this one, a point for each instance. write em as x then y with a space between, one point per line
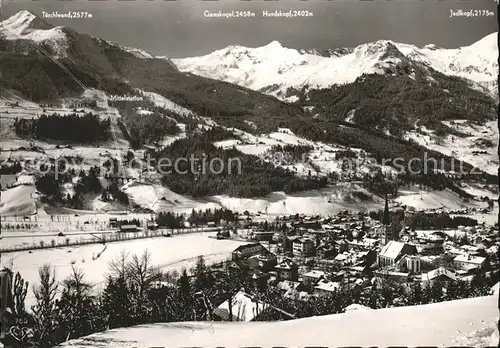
386 219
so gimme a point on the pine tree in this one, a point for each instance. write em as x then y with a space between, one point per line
76 307
415 297
184 285
201 273
452 291
436 292
426 295
44 310
374 297
116 303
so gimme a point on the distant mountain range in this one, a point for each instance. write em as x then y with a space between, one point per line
309 79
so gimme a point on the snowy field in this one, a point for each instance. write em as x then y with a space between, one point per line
422 200
320 160
326 202
168 254
19 240
469 322
159 198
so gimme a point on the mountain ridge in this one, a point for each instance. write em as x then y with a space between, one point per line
258 68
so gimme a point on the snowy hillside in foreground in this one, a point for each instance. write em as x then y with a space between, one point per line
463 322
274 65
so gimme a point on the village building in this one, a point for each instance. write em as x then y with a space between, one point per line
278 237
247 250
266 261
439 275
393 275
287 270
469 261
313 277
293 290
113 222
128 228
303 247
393 251
152 226
325 251
326 288
244 221
262 235
413 263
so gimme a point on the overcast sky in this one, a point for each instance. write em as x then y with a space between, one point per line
179 29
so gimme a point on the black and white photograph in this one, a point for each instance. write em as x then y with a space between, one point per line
232 173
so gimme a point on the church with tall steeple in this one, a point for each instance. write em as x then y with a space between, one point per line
391 224
386 232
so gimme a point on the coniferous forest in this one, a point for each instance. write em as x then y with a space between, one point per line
71 128
232 173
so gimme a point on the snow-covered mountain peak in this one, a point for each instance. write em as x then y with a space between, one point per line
283 68
22 23
25 25
382 49
242 52
432 47
274 45
488 45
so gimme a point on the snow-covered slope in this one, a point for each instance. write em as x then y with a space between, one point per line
18 200
274 68
469 322
478 146
477 62
165 103
25 25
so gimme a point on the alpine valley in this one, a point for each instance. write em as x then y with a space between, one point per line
314 189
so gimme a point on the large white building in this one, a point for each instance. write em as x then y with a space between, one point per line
393 251
303 247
